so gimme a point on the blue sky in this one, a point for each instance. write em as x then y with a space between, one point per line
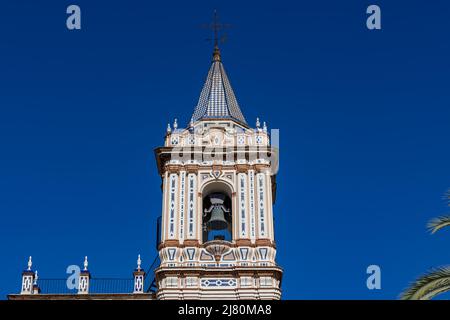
363 118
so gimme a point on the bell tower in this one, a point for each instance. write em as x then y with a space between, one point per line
218 189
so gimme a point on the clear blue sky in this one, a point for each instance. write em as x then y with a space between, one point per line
363 118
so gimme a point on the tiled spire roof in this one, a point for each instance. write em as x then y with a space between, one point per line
217 99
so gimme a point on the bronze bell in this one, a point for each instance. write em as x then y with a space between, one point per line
217 220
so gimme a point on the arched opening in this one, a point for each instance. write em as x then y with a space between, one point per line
217 212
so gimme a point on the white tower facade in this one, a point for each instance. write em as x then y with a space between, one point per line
218 189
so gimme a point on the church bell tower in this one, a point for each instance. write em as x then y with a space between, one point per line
218 189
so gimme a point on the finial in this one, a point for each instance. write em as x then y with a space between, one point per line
191 124
175 125
169 130
216 26
216 54
139 262
30 263
35 277
264 127
85 263
257 123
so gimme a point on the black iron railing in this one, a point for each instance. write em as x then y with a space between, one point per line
96 285
111 285
101 285
150 280
158 232
55 286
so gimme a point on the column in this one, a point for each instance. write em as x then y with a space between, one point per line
27 279
139 276
85 276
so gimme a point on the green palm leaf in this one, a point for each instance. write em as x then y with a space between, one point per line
429 285
438 223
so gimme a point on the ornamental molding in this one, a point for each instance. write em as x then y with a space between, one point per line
192 168
169 243
200 272
242 168
173 168
262 168
237 243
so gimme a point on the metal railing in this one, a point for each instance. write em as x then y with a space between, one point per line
96 285
150 279
101 285
55 286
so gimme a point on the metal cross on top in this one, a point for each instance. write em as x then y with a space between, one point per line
216 26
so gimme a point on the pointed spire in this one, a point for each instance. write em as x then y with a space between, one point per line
30 263
217 99
85 263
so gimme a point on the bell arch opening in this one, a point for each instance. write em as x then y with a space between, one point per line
217 217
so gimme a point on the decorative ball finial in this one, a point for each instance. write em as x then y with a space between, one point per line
264 126
169 129
85 263
191 124
30 263
175 124
258 124
35 278
216 53
139 261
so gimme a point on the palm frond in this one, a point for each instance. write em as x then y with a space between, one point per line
430 295
447 197
438 223
429 285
